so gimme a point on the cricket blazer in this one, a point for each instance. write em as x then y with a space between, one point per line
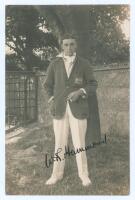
58 84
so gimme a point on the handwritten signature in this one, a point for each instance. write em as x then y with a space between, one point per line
68 152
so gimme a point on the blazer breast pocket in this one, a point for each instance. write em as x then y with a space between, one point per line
78 81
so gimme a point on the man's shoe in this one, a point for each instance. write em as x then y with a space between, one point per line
52 180
86 181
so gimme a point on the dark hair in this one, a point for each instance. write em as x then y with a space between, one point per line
68 36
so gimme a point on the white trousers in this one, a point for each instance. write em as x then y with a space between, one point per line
78 131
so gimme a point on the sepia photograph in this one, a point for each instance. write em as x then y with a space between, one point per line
67 80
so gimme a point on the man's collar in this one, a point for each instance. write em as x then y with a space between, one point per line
67 57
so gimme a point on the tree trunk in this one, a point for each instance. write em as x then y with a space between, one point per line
74 19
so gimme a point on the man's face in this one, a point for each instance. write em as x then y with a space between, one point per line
69 46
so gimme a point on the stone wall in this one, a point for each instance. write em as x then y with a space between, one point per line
113 99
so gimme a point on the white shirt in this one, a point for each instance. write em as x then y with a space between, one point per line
68 61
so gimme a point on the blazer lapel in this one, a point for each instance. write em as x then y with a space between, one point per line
74 66
64 69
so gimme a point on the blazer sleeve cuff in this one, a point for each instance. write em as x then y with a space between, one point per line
84 91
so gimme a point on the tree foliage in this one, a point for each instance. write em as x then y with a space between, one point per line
100 29
28 32
25 36
107 41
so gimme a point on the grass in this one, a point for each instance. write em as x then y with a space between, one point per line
26 173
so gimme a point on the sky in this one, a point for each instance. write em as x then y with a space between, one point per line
126 28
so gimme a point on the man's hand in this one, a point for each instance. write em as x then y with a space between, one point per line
73 96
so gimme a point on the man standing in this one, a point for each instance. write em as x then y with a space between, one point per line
69 83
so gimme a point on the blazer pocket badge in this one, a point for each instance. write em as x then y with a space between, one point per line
78 81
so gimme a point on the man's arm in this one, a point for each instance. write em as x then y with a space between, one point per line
49 82
91 83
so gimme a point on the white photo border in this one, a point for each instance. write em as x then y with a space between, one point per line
3 196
